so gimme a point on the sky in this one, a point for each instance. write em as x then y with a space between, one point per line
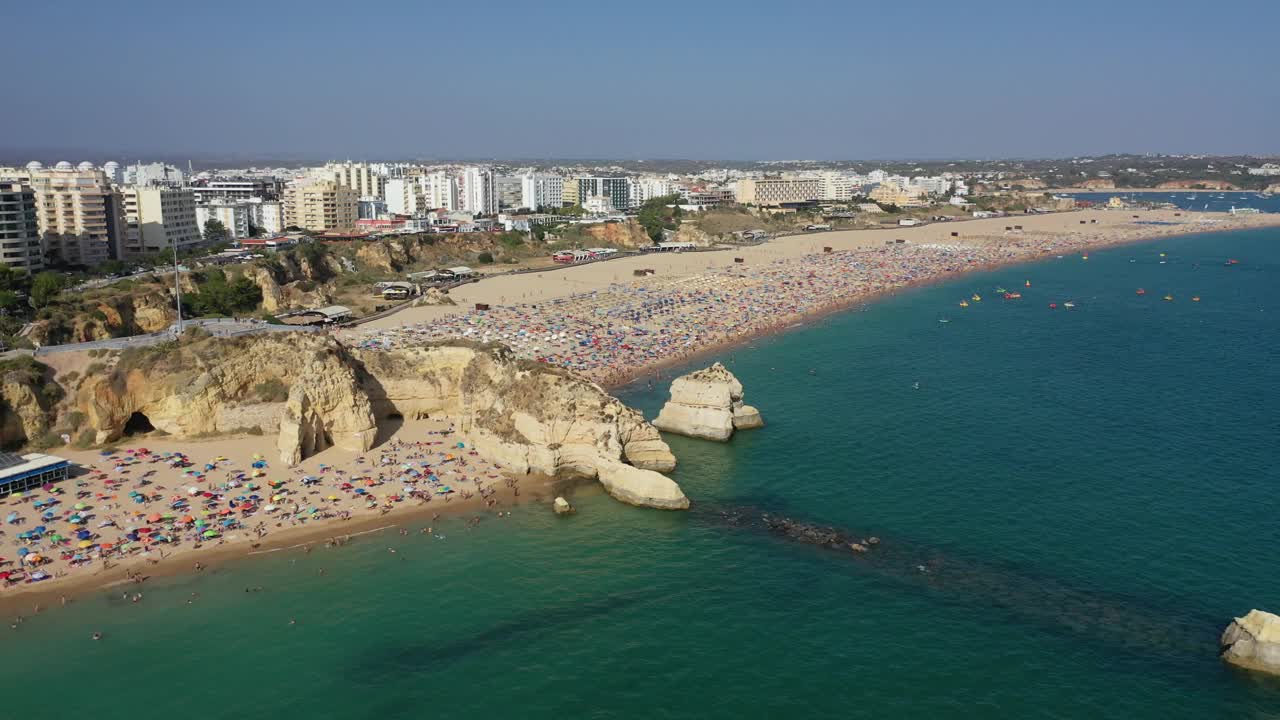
702 79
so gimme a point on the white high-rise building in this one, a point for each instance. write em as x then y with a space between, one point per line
236 217
647 188
358 176
152 174
404 196
477 191
79 212
837 186
541 191
439 191
20 247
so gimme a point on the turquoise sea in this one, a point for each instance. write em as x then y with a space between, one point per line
1091 494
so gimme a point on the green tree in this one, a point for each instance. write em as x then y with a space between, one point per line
11 279
44 288
485 258
215 232
654 215
8 301
110 267
217 297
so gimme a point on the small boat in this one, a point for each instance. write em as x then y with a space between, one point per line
1068 305
944 321
1141 291
977 297
1162 254
1195 298
1230 263
1012 295
1168 298
1028 283
1001 290
1053 306
1084 257
964 303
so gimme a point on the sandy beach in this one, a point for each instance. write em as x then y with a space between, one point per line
605 322
158 506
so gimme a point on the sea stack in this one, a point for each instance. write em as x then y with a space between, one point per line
1253 642
707 404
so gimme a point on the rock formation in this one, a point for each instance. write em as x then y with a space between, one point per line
1253 642
562 507
707 404
312 392
24 401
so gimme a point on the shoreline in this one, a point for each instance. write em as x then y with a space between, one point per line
800 320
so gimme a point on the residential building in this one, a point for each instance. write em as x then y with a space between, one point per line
541 191
569 193
891 192
404 196
598 205
267 215
236 217
1267 169
236 190
151 174
159 218
647 188
617 189
80 215
508 189
371 208
779 191
20 247
931 185
320 205
838 187
358 176
477 190
439 191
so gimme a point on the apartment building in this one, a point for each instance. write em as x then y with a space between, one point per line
236 217
404 196
779 191
236 190
360 177
617 189
20 247
80 216
478 191
159 218
569 193
439 191
892 192
320 205
539 191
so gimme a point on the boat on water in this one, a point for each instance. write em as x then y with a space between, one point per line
1001 290
1068 305
1195 298
1141 291
1231 262
977 297
1053 306
1168 298
1012 295
944 321
964 303
1084 257
1028 283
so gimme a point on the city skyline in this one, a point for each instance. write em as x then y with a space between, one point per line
580 81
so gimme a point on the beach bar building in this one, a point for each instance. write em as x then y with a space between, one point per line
23 472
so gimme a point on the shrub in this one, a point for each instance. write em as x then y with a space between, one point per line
75 419
485 258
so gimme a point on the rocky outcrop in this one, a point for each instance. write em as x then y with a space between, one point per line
562 507
1098 184
707 404
135 313
1195 185
313 393
689 232
627 234
24 401
1253 642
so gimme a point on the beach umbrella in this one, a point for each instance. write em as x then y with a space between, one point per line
12 518
86 544
83 535
39 529
23 552
80 506
211 533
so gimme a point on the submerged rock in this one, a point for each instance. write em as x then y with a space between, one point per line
707 404
1253 642
562 506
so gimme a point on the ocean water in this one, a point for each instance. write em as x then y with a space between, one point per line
1091 494
1199 200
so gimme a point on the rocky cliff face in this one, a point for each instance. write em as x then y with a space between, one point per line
627 234
1253 642
313 393
1099 184
707 404
25 402
1196 185
134 314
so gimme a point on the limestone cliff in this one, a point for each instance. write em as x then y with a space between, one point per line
1253 642
312 392
707 404
109 317
26 394
627 234
1195 185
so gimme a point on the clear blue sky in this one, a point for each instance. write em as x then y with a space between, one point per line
695 79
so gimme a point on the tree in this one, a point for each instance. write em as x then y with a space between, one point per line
10 279
655 216
8 301
215 231
218 297
44 288
110 267
485 258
